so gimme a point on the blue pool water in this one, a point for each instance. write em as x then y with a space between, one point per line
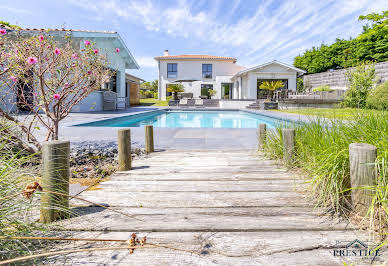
190 119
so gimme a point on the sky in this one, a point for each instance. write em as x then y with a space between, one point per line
254 32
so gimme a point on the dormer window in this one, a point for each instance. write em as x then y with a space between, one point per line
172 70
207 71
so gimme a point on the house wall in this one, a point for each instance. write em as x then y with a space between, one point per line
92 103
192 69
249 80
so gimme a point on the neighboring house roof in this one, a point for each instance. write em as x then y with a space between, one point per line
195 56
130 62
267 64
130 76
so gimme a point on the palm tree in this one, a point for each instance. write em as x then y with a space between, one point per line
271 86
175 88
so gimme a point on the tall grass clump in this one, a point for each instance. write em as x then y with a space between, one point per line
322 153
17 213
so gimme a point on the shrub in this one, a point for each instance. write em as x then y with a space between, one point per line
299 85
323 88
155 95
361 80
378 97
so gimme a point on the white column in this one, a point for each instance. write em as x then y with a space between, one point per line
120 83
240 88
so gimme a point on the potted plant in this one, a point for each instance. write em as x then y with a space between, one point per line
211 93
271 86
175 88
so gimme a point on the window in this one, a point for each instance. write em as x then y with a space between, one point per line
207 71
172 70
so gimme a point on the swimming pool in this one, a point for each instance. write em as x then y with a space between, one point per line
189 119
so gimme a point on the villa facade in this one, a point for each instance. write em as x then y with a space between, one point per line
200 73
121 83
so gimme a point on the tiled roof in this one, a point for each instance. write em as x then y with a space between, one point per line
195 56
64 30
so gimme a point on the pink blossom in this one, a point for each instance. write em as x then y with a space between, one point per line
3 31
35 94
56 96
57 51
86 42
13 78
95 51
117 50
89 72
67 85
41 38
32 60
74 56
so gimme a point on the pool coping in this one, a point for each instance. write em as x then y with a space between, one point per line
284 117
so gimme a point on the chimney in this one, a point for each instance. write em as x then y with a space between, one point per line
165 53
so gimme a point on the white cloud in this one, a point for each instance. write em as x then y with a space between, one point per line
274 29
146 61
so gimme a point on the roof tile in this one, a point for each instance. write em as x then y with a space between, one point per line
195 56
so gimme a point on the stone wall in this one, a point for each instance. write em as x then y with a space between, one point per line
337 79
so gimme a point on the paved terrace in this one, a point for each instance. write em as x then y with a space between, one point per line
217 207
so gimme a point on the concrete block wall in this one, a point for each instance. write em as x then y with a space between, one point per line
337 78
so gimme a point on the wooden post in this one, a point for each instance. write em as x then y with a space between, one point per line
288 144
362 157
149 139
124 149
55 178
262 134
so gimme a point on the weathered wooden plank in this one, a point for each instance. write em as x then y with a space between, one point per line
204 219
194 199
274 175
221 185
222 248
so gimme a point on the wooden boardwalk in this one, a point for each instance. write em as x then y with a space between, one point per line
228 207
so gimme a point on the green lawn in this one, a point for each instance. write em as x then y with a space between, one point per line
338 113
153 102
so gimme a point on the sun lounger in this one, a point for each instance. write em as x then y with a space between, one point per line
183 102
199 102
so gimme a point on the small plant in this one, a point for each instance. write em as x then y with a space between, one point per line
175 88
271 86
211 93
378 97
361 80
323 88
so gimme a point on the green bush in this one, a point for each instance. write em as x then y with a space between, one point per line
323 88
299 85
378 97
155 95
361 80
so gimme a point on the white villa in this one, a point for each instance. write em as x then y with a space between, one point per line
199 73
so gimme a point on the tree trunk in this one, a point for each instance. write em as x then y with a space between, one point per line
175 96
56 128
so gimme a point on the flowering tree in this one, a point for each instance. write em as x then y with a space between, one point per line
48 76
